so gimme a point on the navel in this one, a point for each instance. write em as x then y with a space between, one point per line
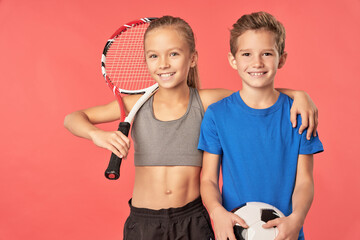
168 192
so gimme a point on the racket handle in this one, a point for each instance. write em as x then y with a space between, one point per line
113 170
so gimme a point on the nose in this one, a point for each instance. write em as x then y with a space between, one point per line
164 63
258 62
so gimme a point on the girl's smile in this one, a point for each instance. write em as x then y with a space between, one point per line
168 57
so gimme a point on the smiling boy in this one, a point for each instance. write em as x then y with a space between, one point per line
249 133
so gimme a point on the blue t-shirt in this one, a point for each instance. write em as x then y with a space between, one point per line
259 150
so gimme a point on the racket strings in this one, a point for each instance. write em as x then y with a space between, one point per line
125 60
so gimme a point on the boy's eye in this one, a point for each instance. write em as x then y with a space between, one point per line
268 54
152 56
173 54
245 54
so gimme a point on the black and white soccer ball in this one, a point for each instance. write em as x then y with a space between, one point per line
256 214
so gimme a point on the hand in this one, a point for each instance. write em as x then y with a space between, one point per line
289 227
115 141
224 222
304 106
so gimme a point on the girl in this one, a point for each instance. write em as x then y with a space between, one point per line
166 201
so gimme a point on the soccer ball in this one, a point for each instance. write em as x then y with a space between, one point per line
256 214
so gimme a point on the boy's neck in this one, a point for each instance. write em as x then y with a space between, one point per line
259 98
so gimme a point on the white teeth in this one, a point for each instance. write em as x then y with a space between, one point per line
256 74
166 74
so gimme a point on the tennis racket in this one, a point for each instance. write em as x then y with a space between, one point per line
124 69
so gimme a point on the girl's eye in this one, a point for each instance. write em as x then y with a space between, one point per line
173 54
152 56
246 54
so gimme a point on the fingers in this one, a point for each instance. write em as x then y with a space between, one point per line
227 235
240 221
311 126
231 236
115 151
271 223
279 237
309 121
224 224
316 122
305 122
115 141
119 144
124 138
293 116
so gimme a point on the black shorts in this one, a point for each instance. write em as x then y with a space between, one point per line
189 222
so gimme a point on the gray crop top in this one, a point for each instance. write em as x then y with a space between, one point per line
168 143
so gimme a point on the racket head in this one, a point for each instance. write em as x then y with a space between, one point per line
124 69
123 60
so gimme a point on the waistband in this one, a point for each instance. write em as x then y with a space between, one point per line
184 211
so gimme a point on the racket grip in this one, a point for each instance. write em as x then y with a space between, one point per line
113 170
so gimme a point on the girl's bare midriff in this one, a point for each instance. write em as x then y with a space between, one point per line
160 187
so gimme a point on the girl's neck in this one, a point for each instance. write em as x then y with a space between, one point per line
171 104
174 95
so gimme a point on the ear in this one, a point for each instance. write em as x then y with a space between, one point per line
282 60
194 59
232 61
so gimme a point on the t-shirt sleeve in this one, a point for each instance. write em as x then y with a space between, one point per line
311 146
209 139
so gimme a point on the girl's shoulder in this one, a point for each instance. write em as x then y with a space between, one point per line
129 101
210 96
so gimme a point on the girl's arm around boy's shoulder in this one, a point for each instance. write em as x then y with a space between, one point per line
304 106
210 96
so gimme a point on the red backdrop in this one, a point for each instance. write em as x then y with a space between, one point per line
52 184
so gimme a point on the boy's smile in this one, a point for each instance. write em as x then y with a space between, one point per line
257 58
254 74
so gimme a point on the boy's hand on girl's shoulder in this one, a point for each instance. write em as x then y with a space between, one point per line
224 222
304 106
288 227
115 141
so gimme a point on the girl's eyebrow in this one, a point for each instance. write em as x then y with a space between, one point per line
175 49
168 50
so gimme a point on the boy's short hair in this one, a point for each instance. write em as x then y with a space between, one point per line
258 21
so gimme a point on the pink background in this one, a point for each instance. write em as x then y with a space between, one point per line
52 184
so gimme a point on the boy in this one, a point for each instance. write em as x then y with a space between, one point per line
263 158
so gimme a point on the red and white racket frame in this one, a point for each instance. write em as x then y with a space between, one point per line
113 170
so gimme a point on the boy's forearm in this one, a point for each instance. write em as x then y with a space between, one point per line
209 183
302 199
303 194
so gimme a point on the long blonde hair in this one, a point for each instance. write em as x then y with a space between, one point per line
188 34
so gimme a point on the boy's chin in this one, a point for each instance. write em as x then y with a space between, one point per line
258 85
